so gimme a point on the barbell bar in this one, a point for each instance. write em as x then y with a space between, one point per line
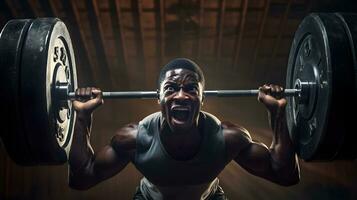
62 92
207 93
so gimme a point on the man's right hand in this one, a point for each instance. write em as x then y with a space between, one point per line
87 99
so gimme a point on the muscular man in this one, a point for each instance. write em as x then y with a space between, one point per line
181 150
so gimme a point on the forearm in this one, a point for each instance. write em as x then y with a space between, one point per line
81 154
283 159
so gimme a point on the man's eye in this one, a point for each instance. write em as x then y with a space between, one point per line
192 88
170 89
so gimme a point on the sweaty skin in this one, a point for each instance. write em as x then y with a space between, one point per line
181 98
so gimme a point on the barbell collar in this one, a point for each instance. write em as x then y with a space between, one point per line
62 89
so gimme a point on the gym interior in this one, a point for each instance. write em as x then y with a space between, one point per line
121 45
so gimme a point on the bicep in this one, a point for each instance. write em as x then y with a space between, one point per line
255 158
103 165
114 157
108 162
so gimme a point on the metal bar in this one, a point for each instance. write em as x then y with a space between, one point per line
206 9
207 93
245 93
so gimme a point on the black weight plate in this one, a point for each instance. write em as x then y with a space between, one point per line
37 76
319 54
348 150
12 134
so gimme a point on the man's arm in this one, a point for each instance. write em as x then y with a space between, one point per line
87 167
278 163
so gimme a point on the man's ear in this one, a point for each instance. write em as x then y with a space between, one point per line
203 99
158 96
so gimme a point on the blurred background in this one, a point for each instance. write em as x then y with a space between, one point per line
122 44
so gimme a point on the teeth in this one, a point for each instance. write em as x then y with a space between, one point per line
180 109
181 114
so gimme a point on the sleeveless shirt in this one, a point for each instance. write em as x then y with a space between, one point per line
154 162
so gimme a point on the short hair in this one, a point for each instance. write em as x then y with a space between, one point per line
181 63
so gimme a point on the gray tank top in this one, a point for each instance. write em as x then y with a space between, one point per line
160 168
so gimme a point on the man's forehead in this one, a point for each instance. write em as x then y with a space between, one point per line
180 73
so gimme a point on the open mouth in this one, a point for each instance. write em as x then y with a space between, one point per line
181 114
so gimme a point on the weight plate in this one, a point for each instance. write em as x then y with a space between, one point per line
347 150
319 54
47 57
12 134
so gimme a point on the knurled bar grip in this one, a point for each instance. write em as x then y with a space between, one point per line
207 93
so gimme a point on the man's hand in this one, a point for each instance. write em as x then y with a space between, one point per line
272 96
87 99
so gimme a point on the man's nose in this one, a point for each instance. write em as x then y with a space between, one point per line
181 95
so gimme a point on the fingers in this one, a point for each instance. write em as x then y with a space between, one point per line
88 93
275 91
97 93
272 96
87 99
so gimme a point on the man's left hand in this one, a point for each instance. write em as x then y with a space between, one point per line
272 96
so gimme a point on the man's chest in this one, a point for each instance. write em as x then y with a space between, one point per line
174 173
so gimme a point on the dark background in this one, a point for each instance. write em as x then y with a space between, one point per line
121 45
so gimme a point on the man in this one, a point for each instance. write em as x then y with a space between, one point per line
181 150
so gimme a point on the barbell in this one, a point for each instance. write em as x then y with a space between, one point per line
207 93
39 79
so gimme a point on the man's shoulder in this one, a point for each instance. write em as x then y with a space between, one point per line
210 117
124 138
150 118
210 121
234 131
236 138
229 128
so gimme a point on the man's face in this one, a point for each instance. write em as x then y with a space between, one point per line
181 99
